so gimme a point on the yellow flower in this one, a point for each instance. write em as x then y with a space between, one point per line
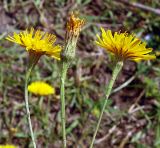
37 42
13 130
124 46
96 112
41 88
8 146
157 53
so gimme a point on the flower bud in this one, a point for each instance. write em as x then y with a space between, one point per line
73 29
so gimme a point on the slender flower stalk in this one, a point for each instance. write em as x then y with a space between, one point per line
29 70
37 43
116 71
74 25
64 68
123 47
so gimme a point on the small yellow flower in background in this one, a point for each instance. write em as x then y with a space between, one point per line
96 112
124 46
8 146
41 88
157 53
37 42
13 130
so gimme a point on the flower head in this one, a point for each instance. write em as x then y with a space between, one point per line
8 146
74 24
41 88
37 42
124 46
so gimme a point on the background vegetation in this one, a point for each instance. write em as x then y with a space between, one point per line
132 118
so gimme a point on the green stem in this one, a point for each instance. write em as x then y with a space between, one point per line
62 95
27 105
115 73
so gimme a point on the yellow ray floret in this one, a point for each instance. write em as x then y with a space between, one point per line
38 42
124 46
41 88
8 146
